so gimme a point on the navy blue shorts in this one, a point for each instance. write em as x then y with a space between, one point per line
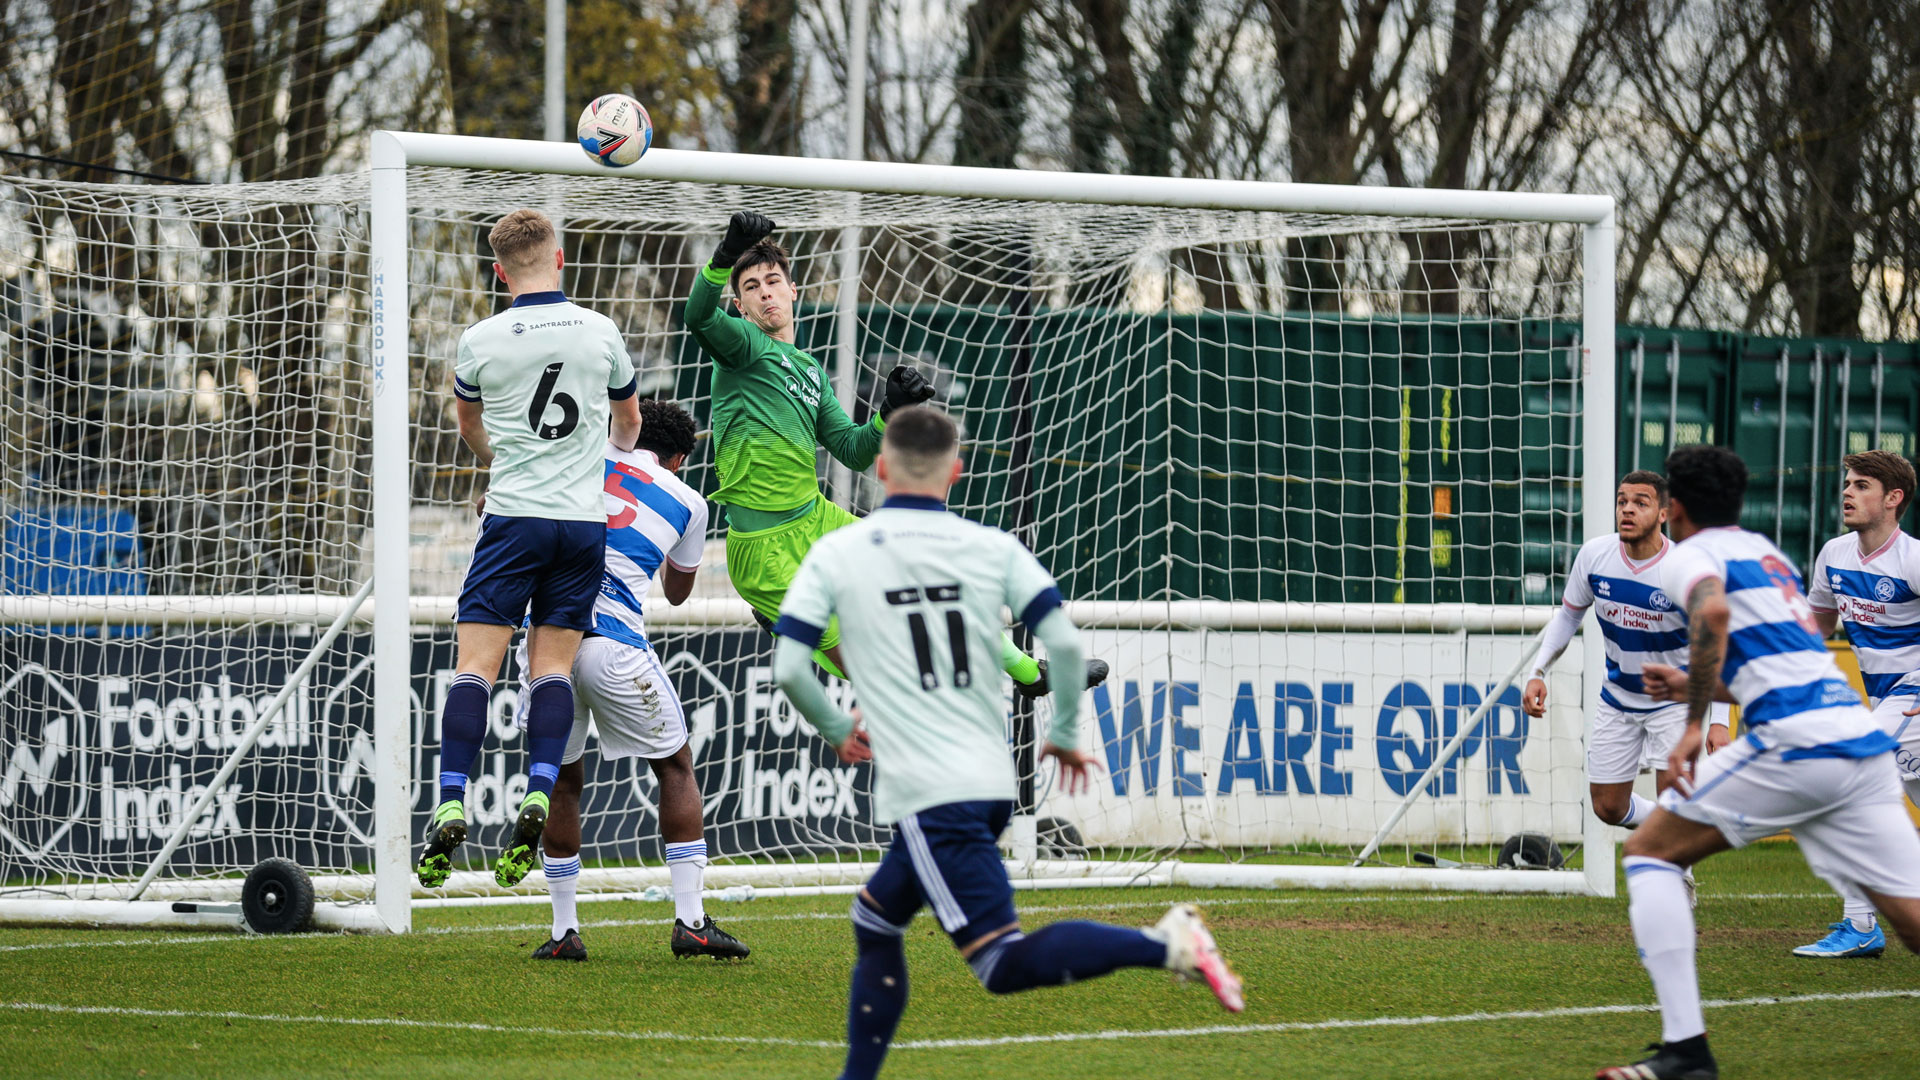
554 566
948 858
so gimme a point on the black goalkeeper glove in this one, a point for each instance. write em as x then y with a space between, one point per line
744 230
905 386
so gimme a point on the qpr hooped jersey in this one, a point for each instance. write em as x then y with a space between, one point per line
1878 597
1791 693
1640 621
652 518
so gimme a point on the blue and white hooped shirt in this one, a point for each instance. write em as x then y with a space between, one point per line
1877 595
652 517
1640 620
1791 693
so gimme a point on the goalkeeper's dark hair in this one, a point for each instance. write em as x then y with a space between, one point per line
1710 481
1651 479
665 428
766 252
920 437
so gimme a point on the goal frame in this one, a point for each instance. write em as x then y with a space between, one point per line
393 152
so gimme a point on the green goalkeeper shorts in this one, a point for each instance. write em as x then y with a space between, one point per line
762 563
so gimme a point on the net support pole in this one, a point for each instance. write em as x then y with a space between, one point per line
392 483
1024 829
555 83
1596 496
1447 752
846 362
247 740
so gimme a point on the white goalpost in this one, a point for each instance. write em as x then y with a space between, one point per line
1310 463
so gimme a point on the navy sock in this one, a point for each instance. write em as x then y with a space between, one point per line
879 993
1062 953
549 722
463 727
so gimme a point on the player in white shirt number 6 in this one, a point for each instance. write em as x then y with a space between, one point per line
540 388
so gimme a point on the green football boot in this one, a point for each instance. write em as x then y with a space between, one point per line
444 837
516 862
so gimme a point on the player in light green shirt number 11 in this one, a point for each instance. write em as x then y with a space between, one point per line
918 593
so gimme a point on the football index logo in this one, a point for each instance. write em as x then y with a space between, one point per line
1883 590
44 766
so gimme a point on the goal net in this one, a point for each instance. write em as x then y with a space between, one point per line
1309 477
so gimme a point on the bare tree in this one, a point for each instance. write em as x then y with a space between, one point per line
1781 139
764 87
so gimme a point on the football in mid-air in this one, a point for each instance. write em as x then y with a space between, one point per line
615 129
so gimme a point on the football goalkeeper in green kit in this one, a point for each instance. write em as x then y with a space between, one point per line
772 404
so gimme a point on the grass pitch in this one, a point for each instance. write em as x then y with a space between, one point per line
1338 985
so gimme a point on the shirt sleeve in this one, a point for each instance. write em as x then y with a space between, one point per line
1691 566
693 543
466 372
1031 593
809 605
730 341
1579 591
1820 585
852 445
621 383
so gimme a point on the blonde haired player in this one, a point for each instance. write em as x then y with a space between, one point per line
918 592
536 386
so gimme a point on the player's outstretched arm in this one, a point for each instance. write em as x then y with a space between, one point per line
793 671
728 340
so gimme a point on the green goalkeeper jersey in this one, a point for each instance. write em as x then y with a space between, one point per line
772 404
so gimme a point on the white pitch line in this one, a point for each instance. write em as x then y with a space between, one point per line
803 916
432 1025
1384 1021
949 1044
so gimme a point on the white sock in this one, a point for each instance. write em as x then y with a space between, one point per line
1637 810
687 866
1663 929
1857 910
563 887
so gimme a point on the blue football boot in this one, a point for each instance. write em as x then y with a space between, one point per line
1845 941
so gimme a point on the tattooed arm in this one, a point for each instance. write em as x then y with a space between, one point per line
1707 618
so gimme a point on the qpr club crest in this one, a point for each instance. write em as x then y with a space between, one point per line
1883 590
1659 602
